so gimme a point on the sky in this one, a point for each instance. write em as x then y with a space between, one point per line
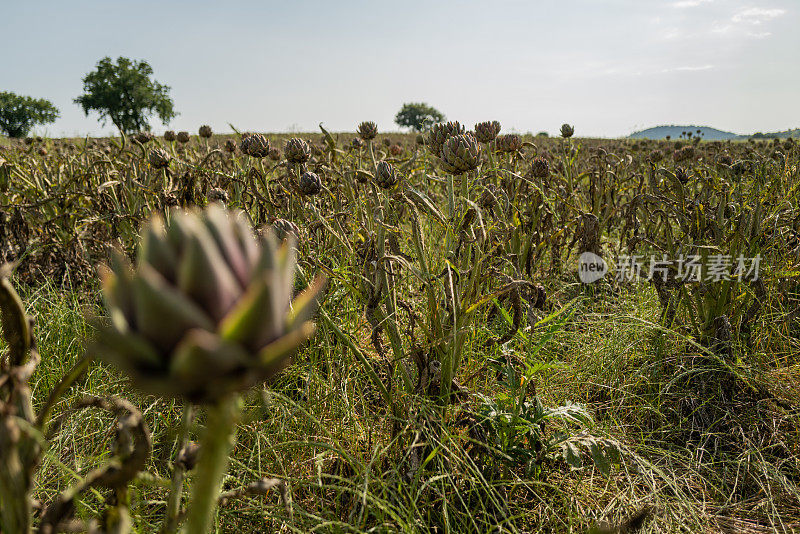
610 67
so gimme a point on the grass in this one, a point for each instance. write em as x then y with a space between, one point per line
707 443
321 428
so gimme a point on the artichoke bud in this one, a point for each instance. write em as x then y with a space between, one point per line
460 154
207 310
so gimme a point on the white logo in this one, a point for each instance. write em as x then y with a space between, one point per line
591 267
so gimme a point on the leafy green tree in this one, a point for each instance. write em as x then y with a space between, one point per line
18 114
418 116
125 93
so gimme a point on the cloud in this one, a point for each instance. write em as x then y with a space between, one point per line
692 69
669 34
757 15
683 4
722 28
688 68
748 22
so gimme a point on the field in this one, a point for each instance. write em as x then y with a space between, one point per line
462 377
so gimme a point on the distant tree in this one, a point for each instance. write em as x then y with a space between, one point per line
418 116
542 134
18 114
124 93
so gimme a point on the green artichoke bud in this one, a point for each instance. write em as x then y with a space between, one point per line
207 309
567 131
159 158
485 132
540 168
296 150
169 136
143 137
183 137
310 184
386 175
656 156
460 154
368 130
255 145
205 131
508 144
440 133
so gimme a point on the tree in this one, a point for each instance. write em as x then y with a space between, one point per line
124 93
18 114
418 116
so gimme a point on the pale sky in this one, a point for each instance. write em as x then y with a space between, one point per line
608 66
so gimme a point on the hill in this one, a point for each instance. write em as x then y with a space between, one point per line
661 132
707 133
781 135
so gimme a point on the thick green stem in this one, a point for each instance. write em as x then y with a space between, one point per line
170 524
215 448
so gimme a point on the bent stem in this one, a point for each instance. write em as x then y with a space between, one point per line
215 449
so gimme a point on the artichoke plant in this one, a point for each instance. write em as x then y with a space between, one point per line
440 133
508 144
296 150
368 130
255 145
310 184
143 137
485 132
205 131
159 158
385 175
567 131
540 168
183 137
207 310
460 154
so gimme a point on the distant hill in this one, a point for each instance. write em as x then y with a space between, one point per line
661 132
781 135
707 133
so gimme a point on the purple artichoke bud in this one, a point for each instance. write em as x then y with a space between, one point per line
206 310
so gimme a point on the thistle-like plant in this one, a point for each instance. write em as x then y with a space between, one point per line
205 313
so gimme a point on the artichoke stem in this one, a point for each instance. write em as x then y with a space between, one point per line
215 448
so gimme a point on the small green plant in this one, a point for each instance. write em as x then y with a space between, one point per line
513 423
